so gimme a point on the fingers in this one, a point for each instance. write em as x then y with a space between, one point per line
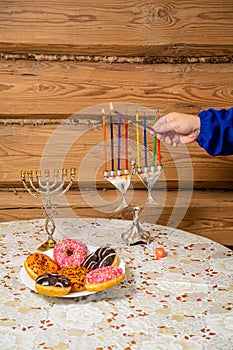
161 125
171 138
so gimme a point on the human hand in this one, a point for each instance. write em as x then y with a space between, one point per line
175 128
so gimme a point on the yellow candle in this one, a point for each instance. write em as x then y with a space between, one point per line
137 141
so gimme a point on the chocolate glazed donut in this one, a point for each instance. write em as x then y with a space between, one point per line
53 284
104 256
53 279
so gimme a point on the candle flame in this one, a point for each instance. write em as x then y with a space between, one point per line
111 106
103 111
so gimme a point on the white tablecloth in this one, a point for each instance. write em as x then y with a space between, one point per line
183 301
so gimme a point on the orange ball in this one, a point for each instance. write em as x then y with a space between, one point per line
159 252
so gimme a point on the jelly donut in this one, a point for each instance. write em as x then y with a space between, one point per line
69 252
38 263
53 285
76 275
104 256
103 278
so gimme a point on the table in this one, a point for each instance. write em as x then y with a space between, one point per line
183 301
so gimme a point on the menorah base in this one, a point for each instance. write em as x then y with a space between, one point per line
49 244
136 235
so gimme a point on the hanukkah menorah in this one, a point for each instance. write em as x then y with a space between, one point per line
121 179
48 187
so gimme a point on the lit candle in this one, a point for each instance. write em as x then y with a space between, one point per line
155 146
105 140
137 141
126 145
145 142
119 143
112 142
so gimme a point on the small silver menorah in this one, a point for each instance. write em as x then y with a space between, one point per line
48 190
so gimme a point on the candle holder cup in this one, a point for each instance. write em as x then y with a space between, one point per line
121 181
48 190
149 178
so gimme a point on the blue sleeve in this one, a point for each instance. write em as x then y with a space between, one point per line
216 131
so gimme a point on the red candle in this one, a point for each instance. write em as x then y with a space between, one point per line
158 153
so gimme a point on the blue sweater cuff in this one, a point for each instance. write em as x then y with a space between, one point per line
216 131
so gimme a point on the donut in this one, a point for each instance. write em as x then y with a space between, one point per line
38 263
54 285
104 256
103 278
69 252
76 275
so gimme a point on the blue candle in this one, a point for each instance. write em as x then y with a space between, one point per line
145 142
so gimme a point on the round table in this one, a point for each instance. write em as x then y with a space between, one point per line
183 301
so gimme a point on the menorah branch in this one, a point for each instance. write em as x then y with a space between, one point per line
48 188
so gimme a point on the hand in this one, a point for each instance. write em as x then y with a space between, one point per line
175 128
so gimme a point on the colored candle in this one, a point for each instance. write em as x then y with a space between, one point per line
126 145
112 142
159 151
105 140
119 144
155 146
145 143
137 141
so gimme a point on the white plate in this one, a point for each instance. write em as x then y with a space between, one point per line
29 282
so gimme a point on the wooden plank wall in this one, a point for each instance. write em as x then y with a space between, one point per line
61 61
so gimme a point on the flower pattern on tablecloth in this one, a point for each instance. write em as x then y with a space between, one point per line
183 301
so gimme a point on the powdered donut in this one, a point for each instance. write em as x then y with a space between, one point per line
104 256
103 278
38 263
69 252
53 285
76 275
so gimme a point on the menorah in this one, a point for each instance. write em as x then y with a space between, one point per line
48 189
121 179
136 234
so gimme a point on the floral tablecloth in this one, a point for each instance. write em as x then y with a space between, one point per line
183 301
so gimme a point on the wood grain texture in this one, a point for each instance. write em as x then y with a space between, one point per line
32 147
208 214
58 90
51 97
94 27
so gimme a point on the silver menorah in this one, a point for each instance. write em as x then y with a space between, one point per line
48 188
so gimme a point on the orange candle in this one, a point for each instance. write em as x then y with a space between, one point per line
105 140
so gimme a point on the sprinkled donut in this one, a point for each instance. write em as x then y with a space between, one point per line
38 263
69 252
53 285
103 278
76 275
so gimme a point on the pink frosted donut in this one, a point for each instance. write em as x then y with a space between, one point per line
69 252
103 278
